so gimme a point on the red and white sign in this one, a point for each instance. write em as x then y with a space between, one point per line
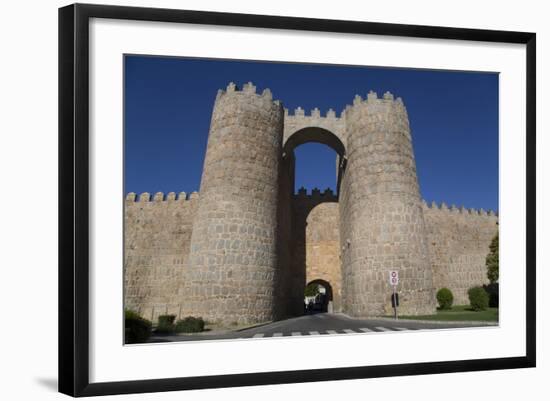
394 277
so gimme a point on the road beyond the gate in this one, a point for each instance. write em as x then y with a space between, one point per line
322 324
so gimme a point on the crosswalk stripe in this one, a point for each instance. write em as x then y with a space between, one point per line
382 329
347 331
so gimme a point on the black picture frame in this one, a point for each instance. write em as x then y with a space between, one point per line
74 198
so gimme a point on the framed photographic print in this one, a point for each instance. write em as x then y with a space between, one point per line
257 190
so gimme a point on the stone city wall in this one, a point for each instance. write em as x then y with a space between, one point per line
157 235
458 243
158 232
245 252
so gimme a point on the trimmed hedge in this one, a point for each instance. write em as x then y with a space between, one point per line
190 325
445 298
479 299
166 324
136 328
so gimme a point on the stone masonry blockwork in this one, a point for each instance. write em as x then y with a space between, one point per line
382 222
244 250
233 260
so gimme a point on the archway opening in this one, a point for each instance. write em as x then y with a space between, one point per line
318 297
315 159
309 242
315 168
315 134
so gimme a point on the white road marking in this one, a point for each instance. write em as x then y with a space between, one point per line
349 331
296 333
364 329
314 333
277 334
259 335
331 332
382 329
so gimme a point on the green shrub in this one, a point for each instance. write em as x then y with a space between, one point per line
492 290
190 325
445 298
479 299
166 324
136 328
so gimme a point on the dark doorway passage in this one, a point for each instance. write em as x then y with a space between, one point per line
317 297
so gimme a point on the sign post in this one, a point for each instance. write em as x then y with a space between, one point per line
394 280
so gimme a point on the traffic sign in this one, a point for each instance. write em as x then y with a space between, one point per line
394 280
394 277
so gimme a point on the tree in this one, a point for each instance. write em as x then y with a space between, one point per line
492 261
311 290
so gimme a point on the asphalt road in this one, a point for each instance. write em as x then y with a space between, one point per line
319 324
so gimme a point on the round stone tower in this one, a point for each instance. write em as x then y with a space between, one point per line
382 223
233 252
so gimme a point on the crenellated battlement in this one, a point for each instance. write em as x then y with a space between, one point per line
132 197
328 194
443 207
372 98
314 113
248 89
300 120
375 104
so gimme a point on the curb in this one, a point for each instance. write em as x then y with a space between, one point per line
442 322
253 326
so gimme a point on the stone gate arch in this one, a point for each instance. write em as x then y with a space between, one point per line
241 246
311 212
300 128
314 134
248 180
328 297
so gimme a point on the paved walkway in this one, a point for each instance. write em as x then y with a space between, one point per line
321 324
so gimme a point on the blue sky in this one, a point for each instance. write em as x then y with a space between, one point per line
453 118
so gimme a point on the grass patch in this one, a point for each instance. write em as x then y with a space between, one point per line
460 313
